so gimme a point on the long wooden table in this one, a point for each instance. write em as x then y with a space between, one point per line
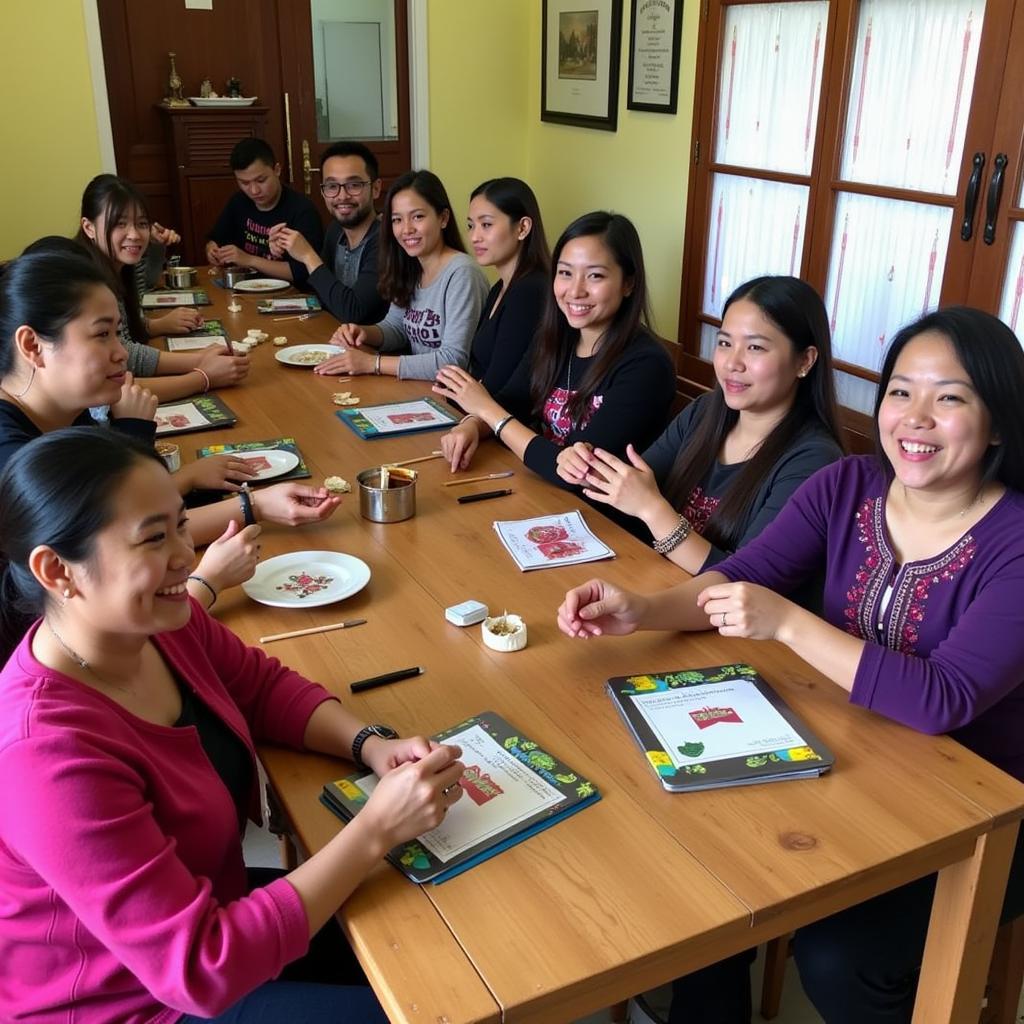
645 885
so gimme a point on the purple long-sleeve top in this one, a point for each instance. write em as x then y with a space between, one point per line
945 653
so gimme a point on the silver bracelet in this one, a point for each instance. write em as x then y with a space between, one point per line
468 416
376 365
501 425
675 538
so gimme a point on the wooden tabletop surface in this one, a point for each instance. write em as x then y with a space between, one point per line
644 885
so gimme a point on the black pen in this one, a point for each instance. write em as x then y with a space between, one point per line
482 496
389 677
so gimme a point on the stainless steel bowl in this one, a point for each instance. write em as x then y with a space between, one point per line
180 277
234 275
391 504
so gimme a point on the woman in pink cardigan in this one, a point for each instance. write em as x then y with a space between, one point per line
127 723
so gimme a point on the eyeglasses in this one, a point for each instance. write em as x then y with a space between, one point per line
330 189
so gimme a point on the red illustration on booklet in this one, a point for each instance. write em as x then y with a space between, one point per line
705 717
478 785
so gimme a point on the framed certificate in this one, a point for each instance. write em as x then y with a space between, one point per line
655 29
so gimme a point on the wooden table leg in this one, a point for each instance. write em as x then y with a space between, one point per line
962 930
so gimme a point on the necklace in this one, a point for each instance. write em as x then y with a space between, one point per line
24 390
568 376
83 664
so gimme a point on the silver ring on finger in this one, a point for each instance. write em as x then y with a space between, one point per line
723 619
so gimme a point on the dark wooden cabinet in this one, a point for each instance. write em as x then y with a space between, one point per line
199 144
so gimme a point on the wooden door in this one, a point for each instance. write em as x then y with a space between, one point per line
328 96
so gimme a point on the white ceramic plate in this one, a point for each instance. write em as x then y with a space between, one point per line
222 101
262 284
280 462
307 579
302 355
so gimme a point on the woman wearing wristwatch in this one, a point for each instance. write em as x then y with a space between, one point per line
128 769
60 355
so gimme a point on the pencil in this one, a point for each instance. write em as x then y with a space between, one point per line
409 462
312 629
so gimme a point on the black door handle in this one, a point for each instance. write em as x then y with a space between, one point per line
995 194
971 199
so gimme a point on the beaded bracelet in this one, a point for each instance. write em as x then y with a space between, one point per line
205 376
206 583
500 426
675 538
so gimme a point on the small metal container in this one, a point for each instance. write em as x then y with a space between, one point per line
180 277
391 504
234 275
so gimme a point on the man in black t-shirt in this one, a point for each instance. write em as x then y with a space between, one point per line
262 207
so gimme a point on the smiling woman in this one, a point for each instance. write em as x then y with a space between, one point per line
923 617
127 769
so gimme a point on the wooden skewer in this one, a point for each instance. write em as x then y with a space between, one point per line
409 462
477 479
313 629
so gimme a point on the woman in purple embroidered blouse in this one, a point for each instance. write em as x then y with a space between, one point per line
923 548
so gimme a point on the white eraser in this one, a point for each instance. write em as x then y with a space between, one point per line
466 614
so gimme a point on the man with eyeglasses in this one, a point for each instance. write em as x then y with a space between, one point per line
244 233
344 272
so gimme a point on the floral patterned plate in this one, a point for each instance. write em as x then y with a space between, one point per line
307 579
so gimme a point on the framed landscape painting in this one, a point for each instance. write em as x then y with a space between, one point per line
580 45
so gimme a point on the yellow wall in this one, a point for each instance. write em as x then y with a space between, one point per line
485 63
50 138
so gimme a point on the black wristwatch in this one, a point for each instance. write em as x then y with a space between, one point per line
385 732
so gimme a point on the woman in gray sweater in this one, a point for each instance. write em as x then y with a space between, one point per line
436 291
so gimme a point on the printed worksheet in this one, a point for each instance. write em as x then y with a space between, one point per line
714 722
551 540
498 791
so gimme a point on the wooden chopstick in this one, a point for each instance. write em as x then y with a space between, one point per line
409 462
313 629
477 479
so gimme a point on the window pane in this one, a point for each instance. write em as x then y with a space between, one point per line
910 94
1011 309
885 270
708 341
770 85
354 69
756 227
855 392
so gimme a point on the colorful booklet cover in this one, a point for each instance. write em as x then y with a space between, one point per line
511 789
291 304
720 726
161 300
548 541
204 412
281 444
373 421
210 333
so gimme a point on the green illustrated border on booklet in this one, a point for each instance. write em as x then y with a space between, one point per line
283 444
203 412
392 419
733 729
562 793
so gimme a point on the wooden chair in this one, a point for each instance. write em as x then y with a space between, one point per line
1002 992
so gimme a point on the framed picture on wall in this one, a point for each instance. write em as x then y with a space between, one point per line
655 29
580 44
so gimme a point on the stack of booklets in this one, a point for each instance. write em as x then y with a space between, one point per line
204 412
511 789
291 304
547 541
372 422
168 300
720 726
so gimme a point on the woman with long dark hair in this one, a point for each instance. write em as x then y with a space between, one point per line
597 376
506 232
436 291
61 355
727 464
923 620
128 770
115 230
